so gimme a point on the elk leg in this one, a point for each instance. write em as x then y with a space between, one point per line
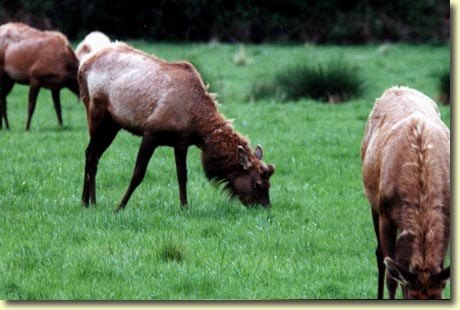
388 239
89 171
146 150
379 256
180 155
392 285
101 138
3 115
405 292
33 94
6 84
57 105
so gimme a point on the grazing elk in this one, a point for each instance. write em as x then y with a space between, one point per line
92 42
406 175
166 104
39 59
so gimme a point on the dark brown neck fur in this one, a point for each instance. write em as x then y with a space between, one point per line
219 143
219 153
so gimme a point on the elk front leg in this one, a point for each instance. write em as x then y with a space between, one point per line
33 94
379 256
388 240
180 155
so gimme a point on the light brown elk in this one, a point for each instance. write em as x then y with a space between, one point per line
166 104
406 175
36 58
92 42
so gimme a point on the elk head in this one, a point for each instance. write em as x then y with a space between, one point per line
251 182
418 284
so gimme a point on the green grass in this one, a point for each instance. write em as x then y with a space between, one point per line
317 241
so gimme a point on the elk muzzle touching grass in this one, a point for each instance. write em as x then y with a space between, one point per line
419 284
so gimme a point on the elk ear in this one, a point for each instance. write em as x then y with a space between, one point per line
397 272
259 152
243 157
271 170
444 276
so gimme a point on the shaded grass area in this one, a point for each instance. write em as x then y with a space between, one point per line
444 87
334 82
317 241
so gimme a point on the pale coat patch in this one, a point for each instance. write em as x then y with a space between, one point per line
137 89
94 41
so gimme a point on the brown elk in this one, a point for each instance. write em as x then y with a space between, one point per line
92 42
36 58
406 176
166 104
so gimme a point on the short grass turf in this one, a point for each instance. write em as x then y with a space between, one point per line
316 242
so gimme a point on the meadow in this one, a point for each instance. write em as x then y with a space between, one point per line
316 242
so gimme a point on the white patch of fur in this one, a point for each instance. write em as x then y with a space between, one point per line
94 41
97 82
403 233
132 87
135 86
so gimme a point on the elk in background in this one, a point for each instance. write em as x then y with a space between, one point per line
38 59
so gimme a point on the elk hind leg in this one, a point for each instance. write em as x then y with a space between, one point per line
6 84
102 134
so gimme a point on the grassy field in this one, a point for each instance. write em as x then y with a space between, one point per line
316 242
